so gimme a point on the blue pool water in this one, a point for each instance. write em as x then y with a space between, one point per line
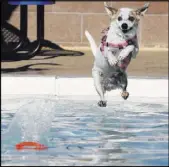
78 132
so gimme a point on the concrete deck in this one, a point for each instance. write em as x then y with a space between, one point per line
152 63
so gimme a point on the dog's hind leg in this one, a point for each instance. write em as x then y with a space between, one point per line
124 85
97 76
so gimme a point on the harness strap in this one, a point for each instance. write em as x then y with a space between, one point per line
124 64
119 45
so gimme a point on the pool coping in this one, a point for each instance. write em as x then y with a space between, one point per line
60 86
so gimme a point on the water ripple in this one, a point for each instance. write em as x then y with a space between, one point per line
80 133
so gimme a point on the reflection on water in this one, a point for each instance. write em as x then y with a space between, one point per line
80 133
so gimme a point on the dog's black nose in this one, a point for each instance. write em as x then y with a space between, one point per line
124 26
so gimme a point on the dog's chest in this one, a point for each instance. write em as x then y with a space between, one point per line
115 37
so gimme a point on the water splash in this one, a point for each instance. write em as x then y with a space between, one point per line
31 123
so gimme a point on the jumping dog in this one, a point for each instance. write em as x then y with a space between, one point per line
118 45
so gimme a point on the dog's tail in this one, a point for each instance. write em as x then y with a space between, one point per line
92 42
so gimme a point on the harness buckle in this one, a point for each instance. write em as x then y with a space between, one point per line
120 47
130 42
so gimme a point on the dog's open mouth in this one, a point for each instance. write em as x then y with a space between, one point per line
126 30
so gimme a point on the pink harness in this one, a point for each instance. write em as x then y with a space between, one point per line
126 61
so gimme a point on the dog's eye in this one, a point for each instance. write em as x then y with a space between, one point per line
131 18
119 18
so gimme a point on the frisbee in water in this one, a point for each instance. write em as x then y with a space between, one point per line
30 145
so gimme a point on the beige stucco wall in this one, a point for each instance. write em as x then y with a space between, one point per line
65 22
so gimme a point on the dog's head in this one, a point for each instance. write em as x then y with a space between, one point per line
126 18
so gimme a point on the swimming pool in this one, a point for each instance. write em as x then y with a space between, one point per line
78 132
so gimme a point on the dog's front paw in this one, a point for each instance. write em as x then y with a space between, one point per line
125 52
112 60
102 103
125 95
122 57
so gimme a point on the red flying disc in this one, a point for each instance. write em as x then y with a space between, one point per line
30 145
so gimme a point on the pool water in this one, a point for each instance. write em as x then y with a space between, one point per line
78 132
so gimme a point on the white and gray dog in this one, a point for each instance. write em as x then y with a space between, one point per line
118 45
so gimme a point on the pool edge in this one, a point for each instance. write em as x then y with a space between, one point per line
57 86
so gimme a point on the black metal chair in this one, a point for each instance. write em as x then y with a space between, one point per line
11 37
22 47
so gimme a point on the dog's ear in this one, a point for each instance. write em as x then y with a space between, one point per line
142 11
111 11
